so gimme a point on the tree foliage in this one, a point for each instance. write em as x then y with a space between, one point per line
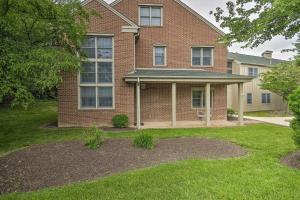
283 79
38 40
257 21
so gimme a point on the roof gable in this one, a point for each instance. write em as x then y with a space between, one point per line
191 11
106 5
254 60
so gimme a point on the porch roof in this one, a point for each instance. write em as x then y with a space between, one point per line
183 75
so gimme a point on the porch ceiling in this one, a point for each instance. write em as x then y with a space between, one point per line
184 76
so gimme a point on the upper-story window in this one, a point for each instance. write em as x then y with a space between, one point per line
229 67
150 16
202 56
96 83
160 56
252 71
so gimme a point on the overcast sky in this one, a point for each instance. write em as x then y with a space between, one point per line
276 45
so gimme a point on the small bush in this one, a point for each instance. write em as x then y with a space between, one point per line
294 104
230 113
120 121
144 141
93 138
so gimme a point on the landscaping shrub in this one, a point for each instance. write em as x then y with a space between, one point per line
120 121
294 105
144 141
230 113
93 137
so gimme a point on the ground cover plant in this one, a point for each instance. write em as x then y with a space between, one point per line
144 141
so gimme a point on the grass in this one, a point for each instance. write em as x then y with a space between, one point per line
256 176
267 113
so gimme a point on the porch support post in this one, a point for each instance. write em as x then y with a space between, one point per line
138 105
173 104
241 103
207 104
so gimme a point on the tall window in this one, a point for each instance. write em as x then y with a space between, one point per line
160 56
252 71
150 16
202 56
265 98
96 77
249 98
229 67
198 98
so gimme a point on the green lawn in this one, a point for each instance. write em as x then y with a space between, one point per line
267 113
256 176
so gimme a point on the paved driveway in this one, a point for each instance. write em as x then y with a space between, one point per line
281 121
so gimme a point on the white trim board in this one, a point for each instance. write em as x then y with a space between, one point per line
191 11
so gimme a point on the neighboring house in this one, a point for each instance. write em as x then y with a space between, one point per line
153 60
256 99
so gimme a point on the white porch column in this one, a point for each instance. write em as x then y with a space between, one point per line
138 105
173 104
241 103
207 104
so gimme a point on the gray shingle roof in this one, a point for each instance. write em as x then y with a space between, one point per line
182 73
254 60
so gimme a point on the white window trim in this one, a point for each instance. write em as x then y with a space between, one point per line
165 56
249 104
96 60
212 90
201 65
150 6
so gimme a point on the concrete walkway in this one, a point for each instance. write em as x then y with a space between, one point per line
281 121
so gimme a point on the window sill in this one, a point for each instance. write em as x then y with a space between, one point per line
95 109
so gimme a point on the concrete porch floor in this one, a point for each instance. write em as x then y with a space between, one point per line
192 124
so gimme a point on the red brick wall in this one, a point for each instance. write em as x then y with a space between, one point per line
180 31
68 113
156 102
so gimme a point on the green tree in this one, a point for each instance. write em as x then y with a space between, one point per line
257 21
39 39
283 79
294 104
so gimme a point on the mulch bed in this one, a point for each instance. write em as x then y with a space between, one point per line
292 160
41 166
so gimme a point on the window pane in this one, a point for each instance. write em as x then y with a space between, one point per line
156 22
207 56
104 72
159 55
88 97
197 98
88 47
145 21
249 98
145 11
196 52
105 96
156 12
263 98
104 47
88 73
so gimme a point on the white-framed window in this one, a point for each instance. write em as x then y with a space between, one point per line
150 15
266 98
159 55
198 98
249 98
229 67
96 78
252 71
202 56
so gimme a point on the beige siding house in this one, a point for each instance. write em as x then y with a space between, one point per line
256 99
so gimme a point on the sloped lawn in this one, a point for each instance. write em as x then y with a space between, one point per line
260 175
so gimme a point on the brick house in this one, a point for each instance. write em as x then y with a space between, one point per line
153 60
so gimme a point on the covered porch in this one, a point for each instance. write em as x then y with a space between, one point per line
172 80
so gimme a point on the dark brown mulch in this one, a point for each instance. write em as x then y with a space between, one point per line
292 160
112 129
41 166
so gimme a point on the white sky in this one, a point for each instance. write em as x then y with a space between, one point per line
203 7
